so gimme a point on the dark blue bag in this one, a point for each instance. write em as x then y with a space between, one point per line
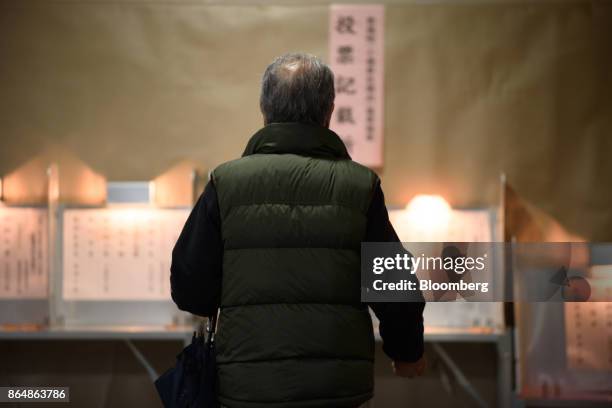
193 381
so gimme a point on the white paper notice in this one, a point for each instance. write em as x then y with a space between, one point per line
119 254
23 253
462 226
588 335
356 47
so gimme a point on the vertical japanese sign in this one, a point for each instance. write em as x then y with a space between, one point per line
356 46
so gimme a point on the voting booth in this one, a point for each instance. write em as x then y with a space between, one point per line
563 348
429 219
25 268
24 247
112 269
81 257
115 265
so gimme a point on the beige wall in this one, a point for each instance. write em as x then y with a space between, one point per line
472 89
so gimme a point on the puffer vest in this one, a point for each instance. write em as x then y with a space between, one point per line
292 331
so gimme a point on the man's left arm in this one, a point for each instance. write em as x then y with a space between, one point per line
197 258
400 323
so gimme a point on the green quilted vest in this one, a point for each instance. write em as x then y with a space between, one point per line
292 331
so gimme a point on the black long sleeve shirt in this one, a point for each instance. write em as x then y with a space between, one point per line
196 273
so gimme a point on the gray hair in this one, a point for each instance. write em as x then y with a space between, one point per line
297 87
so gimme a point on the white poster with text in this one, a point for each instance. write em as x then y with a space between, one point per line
356 46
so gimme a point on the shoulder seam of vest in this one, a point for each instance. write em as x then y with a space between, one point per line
301 203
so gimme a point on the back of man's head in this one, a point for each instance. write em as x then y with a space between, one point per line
297 87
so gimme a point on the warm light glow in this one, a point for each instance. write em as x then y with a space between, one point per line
428 211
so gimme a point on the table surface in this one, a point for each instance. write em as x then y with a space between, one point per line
434 334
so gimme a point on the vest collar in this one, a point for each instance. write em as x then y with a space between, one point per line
297 138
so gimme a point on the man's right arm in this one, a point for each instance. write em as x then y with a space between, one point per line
401 324
197 258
